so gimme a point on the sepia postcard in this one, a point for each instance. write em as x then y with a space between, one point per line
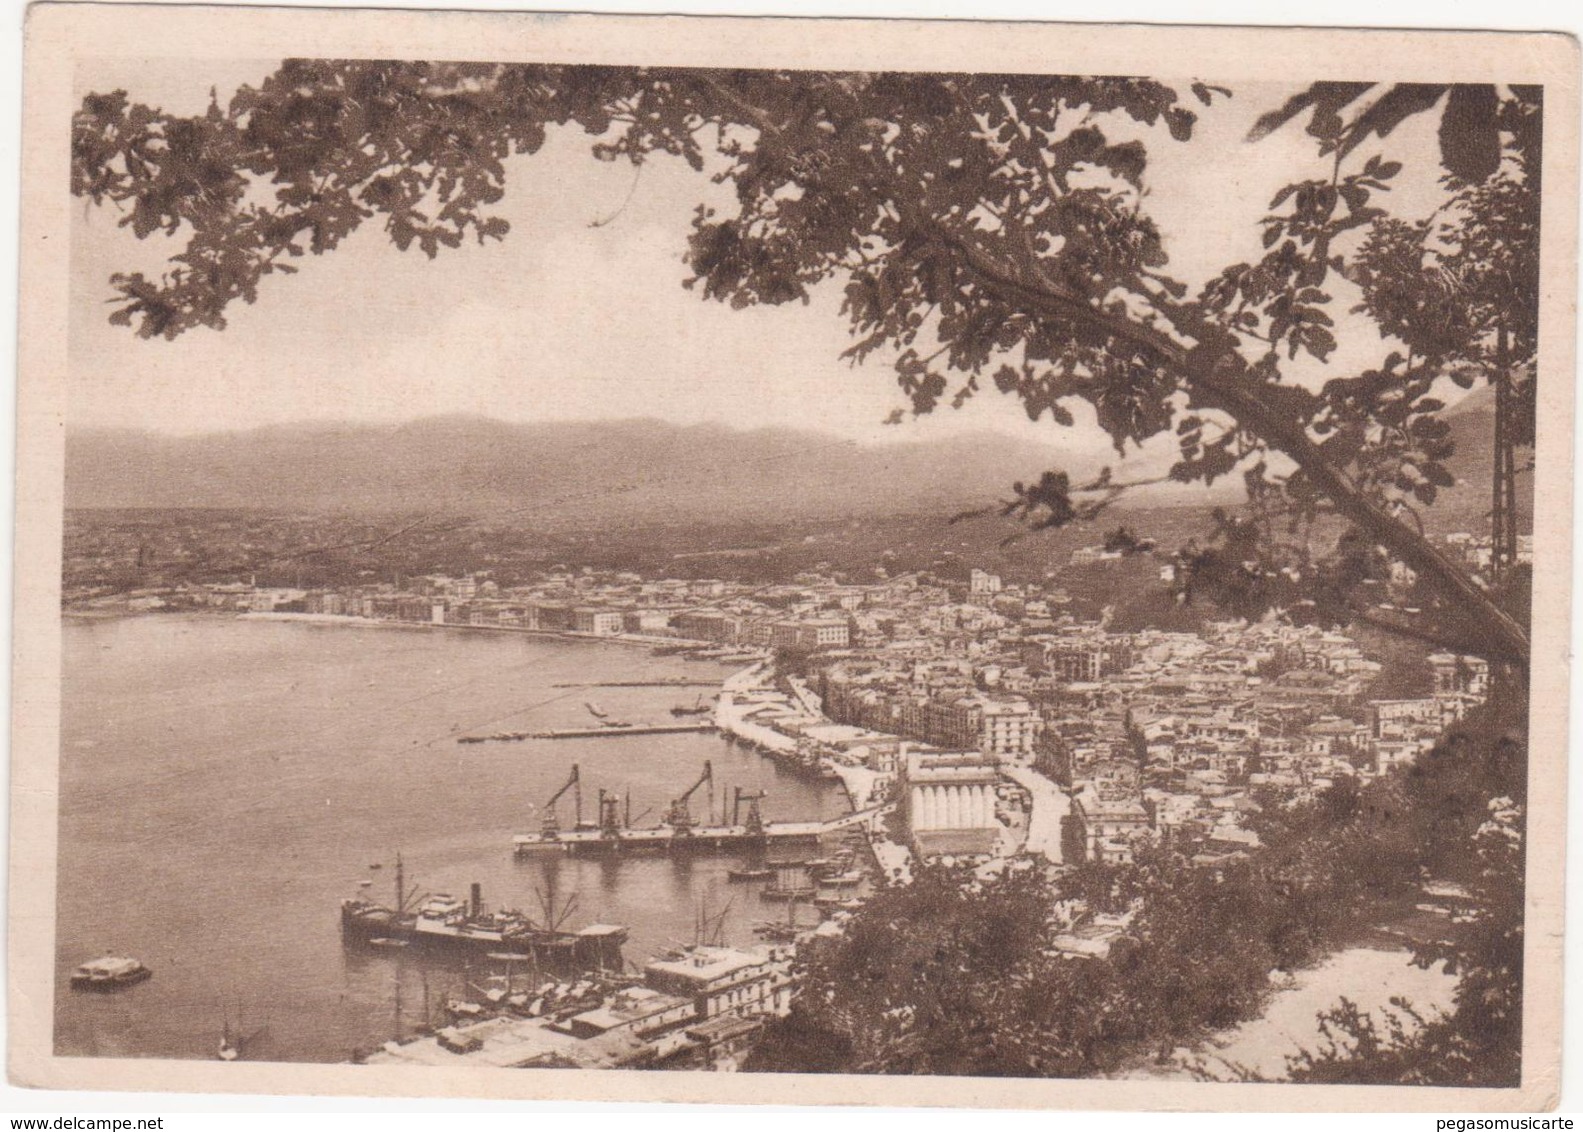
792 561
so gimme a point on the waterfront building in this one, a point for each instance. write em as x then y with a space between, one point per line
642 1010
552 616
725 980
809 636
647 622
278 600
707 625
600 622
950 802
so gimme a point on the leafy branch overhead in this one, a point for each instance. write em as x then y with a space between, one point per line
987 231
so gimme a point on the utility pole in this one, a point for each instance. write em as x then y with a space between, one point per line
1503 487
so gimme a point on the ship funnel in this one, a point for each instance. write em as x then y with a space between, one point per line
478 898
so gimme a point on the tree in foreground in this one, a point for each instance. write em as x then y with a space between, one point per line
988 230
957 973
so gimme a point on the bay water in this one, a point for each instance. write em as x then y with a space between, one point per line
225 782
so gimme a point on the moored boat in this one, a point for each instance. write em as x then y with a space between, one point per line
776 892
842 880
465 926
109 972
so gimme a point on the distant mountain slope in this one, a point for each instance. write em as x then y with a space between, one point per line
1466 506
630 471
634 470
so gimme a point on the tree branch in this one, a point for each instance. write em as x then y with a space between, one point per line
1214 373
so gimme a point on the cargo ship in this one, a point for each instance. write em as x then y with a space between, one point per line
446 924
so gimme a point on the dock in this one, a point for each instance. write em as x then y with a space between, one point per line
591 732
669 682
669 839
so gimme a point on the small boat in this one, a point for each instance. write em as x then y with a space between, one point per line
842 880
365 884
777 932
109 972
749 874
386 941
230 1048
376 865
837 903
788 894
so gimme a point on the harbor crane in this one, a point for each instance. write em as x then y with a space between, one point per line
552 825
755 818
610 812
679 817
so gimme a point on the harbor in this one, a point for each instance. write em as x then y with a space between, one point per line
679 831
466 927
607 731
673 682
358 739
717 838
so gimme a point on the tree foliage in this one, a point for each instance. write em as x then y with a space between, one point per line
987 230
992 231
1457 814
1479 1041
956 973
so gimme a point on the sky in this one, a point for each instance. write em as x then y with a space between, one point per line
566 320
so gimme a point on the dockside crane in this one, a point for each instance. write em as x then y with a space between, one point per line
610 813
552 825
679 817
404 895
755 818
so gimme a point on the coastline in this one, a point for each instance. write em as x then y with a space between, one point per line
893 859
81 613
558 634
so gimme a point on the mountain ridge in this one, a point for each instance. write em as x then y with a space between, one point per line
622 470
637 469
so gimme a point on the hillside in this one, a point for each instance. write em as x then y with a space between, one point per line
548 474
581 475
1466 506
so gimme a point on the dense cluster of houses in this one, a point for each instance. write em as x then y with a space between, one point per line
1147 733
1156 733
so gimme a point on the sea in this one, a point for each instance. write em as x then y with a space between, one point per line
226 782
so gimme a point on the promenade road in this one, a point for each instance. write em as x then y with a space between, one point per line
1050 805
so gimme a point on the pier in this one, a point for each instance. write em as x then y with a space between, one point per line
671 682
674 839
591 732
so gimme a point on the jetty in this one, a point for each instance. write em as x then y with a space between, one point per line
664 838
605 732
679 830
668 682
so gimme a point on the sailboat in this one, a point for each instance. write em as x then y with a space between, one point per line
234 1043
